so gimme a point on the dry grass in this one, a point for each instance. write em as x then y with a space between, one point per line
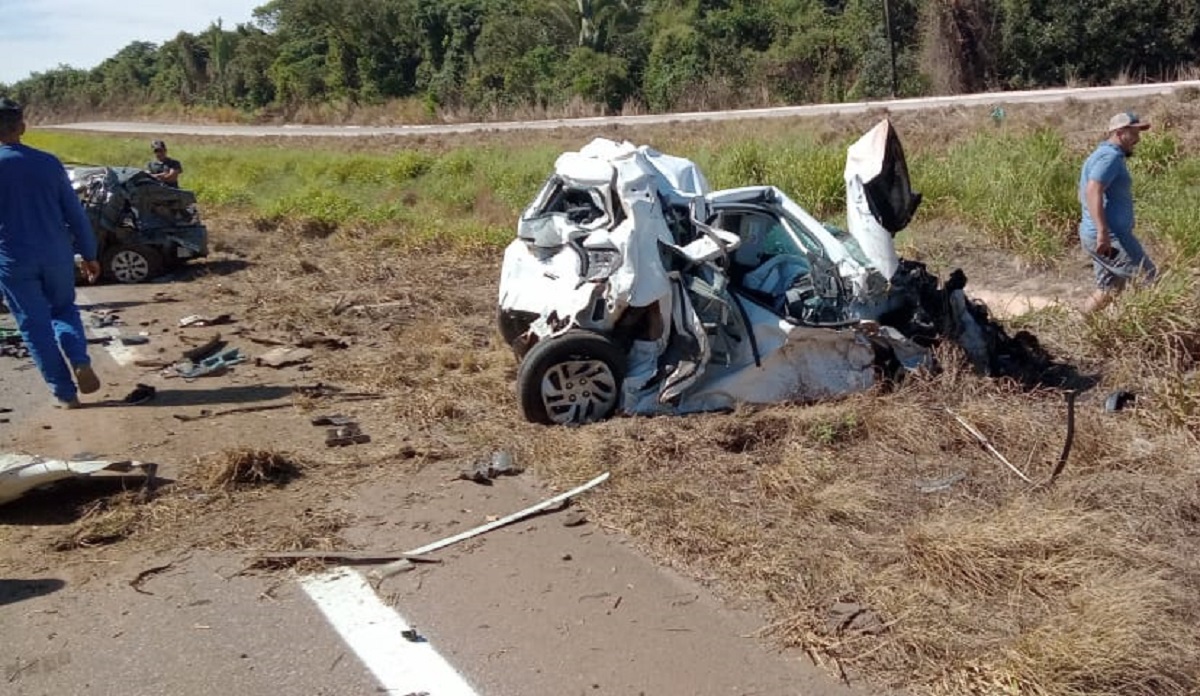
105 521
990 586
245 468
222 502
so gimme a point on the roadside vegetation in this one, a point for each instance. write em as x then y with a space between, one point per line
412 61
966 579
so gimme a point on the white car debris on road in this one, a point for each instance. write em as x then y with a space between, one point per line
22 473
631 286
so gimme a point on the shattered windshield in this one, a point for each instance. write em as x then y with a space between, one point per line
808 244
832 243
849 242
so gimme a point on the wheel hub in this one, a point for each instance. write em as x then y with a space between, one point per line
128 266
579 391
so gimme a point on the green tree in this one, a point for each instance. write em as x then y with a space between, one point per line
599 77
1050 41
247 76
126 76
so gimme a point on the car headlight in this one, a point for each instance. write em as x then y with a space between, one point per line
602 263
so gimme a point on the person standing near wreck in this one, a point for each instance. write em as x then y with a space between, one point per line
1106 198
163 168
42 226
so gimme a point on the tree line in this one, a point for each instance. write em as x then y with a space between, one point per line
494 56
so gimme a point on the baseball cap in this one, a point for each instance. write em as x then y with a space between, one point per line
158 145
1127 119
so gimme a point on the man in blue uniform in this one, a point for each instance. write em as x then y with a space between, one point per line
1106 197
42 227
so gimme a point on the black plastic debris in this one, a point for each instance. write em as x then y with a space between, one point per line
336 420
140 395
11 344
349 434
1119 401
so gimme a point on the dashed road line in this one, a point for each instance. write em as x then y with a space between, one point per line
375 632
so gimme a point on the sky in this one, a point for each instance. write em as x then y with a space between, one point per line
39 35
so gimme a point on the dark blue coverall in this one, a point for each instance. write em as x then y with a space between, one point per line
42 227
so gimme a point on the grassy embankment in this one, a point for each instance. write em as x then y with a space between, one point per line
988 586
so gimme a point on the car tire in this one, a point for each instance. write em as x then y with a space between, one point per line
132 263
571 379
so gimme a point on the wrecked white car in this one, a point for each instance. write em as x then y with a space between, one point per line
632 286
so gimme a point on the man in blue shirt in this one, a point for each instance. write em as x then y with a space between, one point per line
1106 197
42 226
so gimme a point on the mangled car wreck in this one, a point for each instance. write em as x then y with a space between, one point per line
631 286
142 226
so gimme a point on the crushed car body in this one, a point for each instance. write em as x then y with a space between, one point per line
142 226
632 287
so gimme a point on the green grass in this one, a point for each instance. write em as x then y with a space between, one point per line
1014 191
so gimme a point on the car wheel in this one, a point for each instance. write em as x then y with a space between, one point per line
132 264
572 379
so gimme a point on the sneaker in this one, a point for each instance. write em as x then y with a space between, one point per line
87 379
69 405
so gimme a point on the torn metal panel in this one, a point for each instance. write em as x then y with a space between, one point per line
21 473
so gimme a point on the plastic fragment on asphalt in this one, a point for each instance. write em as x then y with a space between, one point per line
21 473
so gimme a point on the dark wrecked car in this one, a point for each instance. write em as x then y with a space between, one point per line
142 226
632 287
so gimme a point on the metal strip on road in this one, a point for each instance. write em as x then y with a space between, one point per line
909 104
374 631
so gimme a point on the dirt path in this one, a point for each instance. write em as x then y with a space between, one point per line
1009 285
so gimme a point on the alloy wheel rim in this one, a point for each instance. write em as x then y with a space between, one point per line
579 391
129 266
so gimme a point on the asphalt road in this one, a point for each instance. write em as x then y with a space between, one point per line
1123 92
20 387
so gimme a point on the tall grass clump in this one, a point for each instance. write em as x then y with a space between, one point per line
745 164
326 208
514 176
1018 191
1168 200
1149 342
812 175
407 165
1154 325
809 173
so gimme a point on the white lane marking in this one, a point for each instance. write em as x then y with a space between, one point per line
373 630
123 355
